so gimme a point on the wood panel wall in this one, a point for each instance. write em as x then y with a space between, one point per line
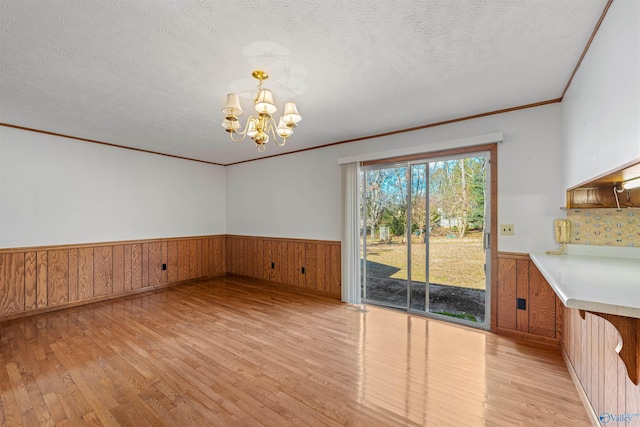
283 261
590 345
46 278
518 277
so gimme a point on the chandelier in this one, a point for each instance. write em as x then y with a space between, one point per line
263 126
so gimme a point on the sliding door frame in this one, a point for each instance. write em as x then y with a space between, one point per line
492 151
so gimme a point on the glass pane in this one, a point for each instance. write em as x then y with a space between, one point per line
456 255
384 236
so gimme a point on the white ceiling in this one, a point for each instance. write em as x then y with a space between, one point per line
154 74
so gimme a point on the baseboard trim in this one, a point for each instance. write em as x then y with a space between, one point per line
536 339
593 417
286 286
94 300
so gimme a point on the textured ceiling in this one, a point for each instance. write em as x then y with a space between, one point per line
154 74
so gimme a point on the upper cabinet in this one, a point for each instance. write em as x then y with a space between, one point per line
607 190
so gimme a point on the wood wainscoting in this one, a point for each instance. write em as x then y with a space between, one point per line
539 319
42 279
310 264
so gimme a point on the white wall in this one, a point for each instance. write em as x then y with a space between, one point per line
61 191
299 195
601 109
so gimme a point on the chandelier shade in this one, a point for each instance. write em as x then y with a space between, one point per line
264 102
291 114
232 106
260 128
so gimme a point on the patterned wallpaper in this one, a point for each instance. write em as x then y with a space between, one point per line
605 227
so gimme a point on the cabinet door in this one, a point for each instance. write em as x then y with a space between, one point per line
506 309
519 278
542 305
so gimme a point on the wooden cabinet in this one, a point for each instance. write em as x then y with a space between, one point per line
526 304
597 193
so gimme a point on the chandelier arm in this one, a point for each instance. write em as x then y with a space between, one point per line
271 125
244 131
244 135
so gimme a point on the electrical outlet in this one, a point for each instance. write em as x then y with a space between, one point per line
507 230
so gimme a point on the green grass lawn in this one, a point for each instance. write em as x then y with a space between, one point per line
453 261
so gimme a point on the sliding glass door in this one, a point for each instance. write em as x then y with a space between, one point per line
424 235
384 228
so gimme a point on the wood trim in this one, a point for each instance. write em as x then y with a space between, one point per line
593 417
525 336
411 129
362 138
513 255
93 141
99 244
586 48
493 241
300 290
284 239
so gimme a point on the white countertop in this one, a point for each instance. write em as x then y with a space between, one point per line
595 278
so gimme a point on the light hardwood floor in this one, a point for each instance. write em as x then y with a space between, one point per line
241 352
